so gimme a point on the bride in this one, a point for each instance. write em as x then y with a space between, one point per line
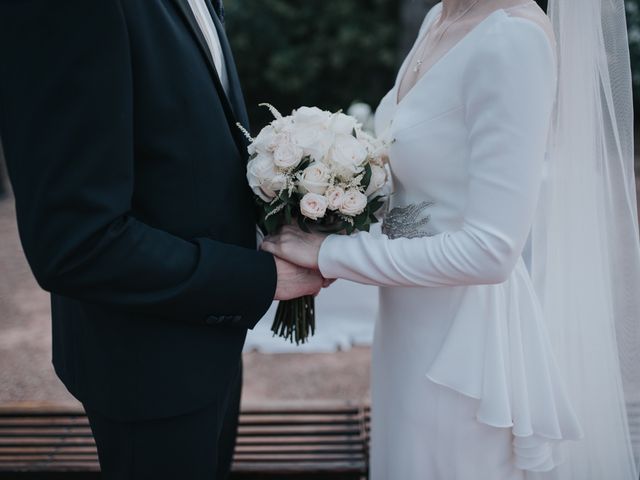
507 337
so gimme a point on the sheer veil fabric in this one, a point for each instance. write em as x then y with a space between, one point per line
585 251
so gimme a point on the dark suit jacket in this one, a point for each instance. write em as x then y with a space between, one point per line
133 208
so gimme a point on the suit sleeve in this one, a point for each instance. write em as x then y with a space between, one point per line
66 120
508 103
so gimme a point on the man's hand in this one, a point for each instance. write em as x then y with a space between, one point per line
295 281
295 246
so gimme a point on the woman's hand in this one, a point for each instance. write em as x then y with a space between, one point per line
295 246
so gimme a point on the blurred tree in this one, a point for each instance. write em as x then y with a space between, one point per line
412 13
332 52
633 21
317 52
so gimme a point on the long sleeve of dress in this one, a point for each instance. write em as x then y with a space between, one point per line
508 97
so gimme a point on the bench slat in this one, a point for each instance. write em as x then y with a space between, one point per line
303 441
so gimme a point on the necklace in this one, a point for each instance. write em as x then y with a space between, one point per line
420 61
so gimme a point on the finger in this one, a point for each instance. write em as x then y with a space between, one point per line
275 238
327 283
270 248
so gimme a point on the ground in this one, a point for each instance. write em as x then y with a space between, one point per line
26 374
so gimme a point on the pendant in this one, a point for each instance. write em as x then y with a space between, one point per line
418 66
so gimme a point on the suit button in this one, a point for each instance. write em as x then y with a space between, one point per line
212 319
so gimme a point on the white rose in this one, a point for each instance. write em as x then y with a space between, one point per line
314 140
353 203
315 178
378 179
311 116
265 181
274 185
347 156
334 196
371 143
264 142
286 154
313 206
343 124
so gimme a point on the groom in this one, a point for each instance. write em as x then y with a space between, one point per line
118 119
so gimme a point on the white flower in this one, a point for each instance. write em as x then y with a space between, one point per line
283 125
311 116
343 124
347 156
378 180
286 154
371 143
265 181
313 206
334 196
314 140
377 149
353 203
264 142
315 178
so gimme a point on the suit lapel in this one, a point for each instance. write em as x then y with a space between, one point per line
235 90
187 14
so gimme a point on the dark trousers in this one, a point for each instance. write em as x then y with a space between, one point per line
198 445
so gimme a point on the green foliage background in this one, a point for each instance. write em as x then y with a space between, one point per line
325 53
330 53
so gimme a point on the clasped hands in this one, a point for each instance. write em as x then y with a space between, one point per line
296 254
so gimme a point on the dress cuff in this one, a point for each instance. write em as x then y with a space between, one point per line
328 257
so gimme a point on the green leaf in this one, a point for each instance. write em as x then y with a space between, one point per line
306 161
287 214
302 224
349 228
366 179
272 224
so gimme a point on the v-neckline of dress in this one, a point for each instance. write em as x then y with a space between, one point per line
403 70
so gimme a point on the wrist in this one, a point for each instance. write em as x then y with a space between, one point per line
323 257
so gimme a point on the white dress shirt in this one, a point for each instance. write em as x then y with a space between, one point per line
205 22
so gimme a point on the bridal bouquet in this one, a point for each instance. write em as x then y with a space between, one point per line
323 171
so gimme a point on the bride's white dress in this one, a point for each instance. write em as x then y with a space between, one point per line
464 381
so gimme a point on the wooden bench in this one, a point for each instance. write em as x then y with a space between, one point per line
288 442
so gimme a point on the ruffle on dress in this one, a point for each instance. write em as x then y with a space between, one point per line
498 352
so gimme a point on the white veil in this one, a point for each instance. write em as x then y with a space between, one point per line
585 245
